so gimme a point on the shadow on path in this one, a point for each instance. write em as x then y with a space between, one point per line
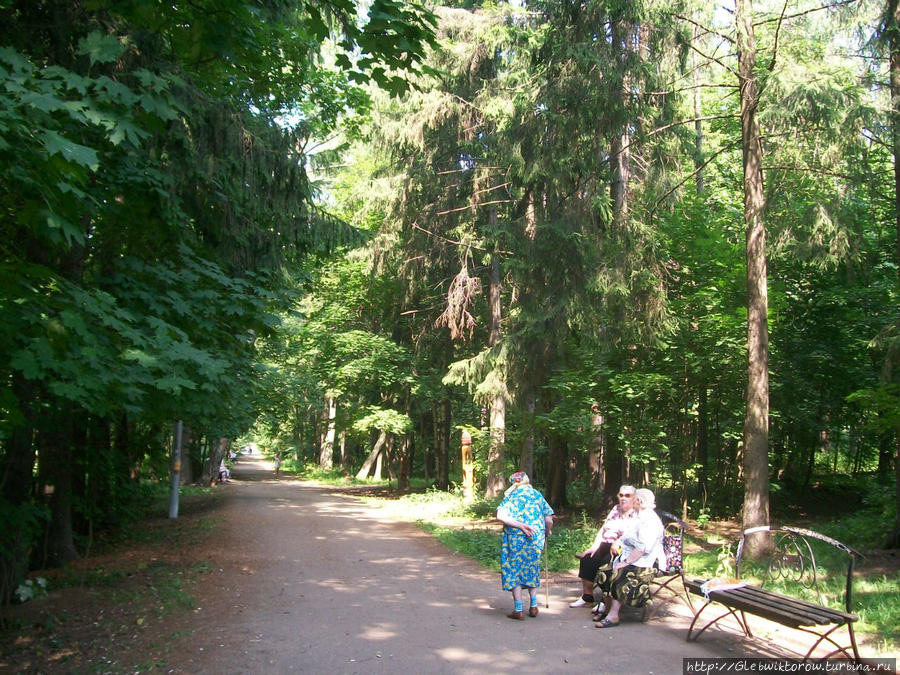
318 582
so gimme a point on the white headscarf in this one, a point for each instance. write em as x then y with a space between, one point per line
517 480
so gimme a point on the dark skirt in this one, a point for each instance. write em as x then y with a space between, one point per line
629 585
589 564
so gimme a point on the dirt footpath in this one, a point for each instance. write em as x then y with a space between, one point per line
318 583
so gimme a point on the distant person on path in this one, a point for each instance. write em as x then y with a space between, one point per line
626 579
598 554
527 520
277 463
224 473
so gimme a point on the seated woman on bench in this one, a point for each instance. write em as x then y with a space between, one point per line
626 579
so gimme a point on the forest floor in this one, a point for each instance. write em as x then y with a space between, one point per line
281 576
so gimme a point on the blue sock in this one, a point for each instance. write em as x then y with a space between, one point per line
534 601
518 605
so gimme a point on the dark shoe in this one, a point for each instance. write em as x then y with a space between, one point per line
533 611
606 623
518 616
599 616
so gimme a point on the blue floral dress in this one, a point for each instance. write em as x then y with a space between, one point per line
520 556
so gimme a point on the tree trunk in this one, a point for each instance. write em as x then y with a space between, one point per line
702 437
620 154
698 123
56 461
428 452
557 468
595 455
614 473
326 452
526 461
378 473
893 37
366 468
445 420
756 422
16 487
218 448
407 448
495 478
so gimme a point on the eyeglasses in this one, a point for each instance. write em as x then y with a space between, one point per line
626 494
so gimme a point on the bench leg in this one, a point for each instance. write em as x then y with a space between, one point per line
652 608
740 618
826 637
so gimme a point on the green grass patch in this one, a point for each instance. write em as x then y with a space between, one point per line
470 528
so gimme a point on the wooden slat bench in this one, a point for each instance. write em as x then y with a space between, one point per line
789 559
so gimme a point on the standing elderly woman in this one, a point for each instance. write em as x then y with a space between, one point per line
527 520
626 580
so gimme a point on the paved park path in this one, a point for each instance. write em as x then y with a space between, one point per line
315 581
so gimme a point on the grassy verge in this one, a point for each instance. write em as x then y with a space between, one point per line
470 529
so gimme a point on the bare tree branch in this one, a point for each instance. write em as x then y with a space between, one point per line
777 34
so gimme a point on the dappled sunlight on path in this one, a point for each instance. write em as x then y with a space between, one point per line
319 582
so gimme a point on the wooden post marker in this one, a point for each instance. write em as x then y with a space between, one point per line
468 467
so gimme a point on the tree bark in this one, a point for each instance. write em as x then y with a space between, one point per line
366 468
56 461
698 123
595 455
557 465
326 453
495 478
445 417
756 422
526 461
16 487
620 155
892 31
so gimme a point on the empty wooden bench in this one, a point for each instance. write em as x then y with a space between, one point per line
785 584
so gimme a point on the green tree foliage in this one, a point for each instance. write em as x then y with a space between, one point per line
155 189
626 334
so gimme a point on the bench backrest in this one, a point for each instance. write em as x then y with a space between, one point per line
673 541
800 561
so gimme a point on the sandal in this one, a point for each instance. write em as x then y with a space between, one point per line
606 623
600 615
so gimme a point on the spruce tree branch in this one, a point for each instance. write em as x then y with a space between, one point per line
777 34
668 92
658 130
416 226
810 170
784 17
875 139
714 59
469 206
690 120
705 29
694 173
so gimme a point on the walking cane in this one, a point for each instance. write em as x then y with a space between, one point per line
546 575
